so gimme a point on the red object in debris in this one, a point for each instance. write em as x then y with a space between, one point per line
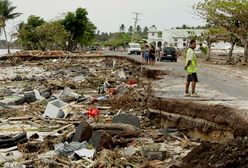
93 112
132 82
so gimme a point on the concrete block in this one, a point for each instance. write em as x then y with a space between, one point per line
127 119
57 109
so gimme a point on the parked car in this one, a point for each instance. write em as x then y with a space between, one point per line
134 48
94 48
168 53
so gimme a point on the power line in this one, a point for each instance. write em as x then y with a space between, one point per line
135 22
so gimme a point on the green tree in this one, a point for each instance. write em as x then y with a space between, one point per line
28 36
52 36
122 28
145 31
7 13
130 29
232 15
81 28
213 35
138 29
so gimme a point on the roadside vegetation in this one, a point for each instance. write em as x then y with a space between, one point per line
227 21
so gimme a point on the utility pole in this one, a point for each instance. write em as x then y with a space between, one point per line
135 22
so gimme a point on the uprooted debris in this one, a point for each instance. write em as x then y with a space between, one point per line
83 113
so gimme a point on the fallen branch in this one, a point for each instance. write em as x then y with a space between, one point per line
19 118
63 161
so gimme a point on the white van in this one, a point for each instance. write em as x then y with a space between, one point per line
134 48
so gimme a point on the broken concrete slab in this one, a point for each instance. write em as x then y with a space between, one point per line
127 119
57 109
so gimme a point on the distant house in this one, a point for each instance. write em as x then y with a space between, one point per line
178 38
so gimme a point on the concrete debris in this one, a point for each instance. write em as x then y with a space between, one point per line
57 109
87 112
127 119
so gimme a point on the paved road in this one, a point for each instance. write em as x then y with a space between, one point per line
233 87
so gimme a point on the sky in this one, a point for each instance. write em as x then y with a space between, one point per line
108 15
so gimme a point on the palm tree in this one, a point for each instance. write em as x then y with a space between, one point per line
130 29
7 13
138 29
122 28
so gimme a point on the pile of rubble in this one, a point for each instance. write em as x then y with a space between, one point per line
51 54
82 113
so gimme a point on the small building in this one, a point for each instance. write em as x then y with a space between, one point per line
155 37
178 38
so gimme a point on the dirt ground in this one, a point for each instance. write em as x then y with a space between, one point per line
231 154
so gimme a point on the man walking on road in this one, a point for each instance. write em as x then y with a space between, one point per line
191 69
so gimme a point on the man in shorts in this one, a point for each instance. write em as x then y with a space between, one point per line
145 54
191 69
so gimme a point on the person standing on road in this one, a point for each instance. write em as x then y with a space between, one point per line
152 55
191 69
145 54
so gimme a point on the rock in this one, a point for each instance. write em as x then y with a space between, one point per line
127 119
45 92
100 140
27 98
83 132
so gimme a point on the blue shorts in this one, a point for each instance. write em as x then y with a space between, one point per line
146 58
